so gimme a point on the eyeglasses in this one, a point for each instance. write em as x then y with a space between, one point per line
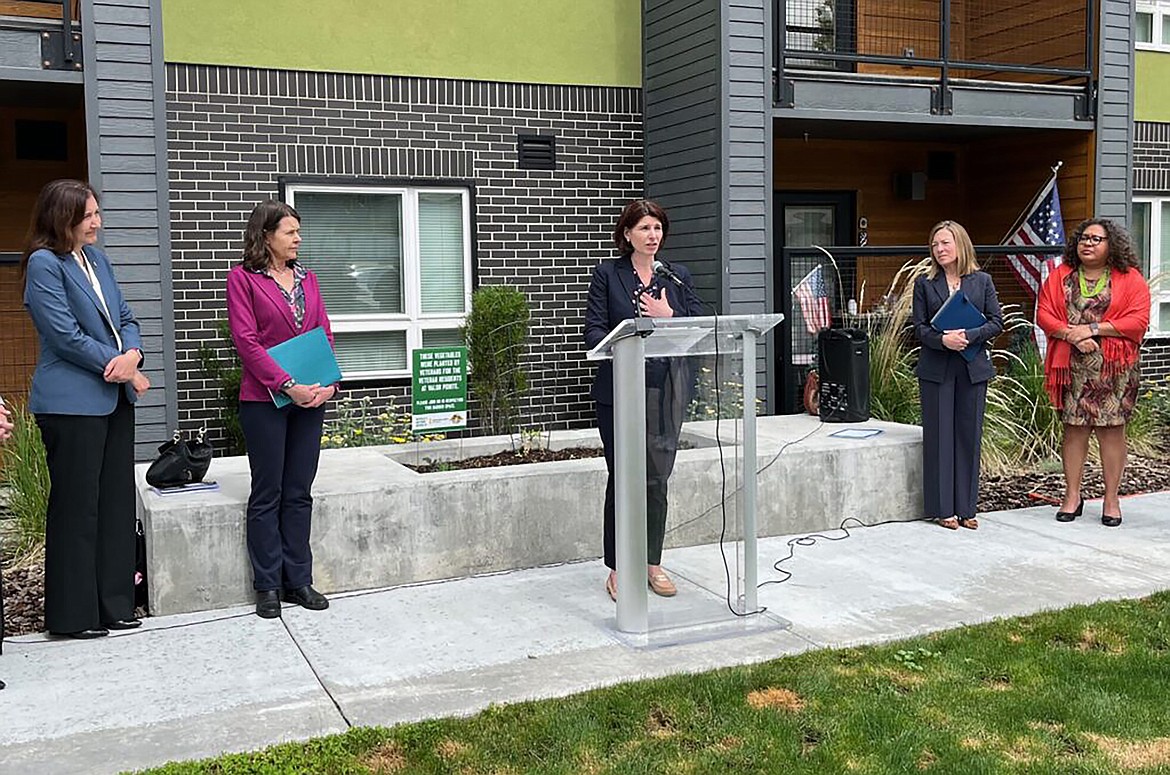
1092 239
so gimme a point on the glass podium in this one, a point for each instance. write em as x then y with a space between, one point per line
688 382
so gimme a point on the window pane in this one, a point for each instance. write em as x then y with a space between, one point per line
1140 231
1143 29
439 337
1163 256
364 351
1165 30
1164 317
440 243
353 242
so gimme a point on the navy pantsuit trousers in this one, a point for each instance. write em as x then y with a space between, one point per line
284 446
952 436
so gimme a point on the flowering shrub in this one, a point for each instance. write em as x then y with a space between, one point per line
358 424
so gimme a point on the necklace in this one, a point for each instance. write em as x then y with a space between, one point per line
1100 284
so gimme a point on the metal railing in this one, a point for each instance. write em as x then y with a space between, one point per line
60 48
1004 41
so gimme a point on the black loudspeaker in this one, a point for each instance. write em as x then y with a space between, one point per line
843 363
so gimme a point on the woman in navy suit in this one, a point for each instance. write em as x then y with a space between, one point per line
953 391
620 289
272 298
83 391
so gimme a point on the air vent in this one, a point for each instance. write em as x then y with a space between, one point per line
41 140
536 152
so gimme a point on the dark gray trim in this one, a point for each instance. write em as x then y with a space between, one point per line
166 289
41 76
93 149
1113 176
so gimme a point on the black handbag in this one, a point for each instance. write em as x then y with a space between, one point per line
180 462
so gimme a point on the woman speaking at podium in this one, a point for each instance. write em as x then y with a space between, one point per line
953 388
623 288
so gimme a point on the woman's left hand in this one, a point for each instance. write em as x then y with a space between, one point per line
323 394
140 383
1088 346
656 307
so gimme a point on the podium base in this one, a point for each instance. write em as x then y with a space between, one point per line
695 615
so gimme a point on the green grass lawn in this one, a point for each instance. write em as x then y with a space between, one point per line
1083 690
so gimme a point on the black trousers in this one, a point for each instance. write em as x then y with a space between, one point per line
666 403
284 446
952 439
89 528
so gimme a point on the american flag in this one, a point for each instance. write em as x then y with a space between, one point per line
814 300
1042 226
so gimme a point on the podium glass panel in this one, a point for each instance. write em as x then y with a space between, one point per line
684 437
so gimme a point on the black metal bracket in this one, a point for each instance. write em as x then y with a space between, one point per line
60 52
941 100
785 93
1085 107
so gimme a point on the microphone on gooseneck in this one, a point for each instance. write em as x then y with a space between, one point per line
662 270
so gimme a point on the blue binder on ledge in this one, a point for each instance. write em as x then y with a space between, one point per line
309 359
958 312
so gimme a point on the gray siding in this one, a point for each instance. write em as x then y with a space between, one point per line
1115 110
682 125
125 116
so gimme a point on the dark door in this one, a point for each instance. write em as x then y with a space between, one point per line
803 219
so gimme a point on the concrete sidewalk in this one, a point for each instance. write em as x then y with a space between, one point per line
192 686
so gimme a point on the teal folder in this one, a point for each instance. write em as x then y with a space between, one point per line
309 359
958 312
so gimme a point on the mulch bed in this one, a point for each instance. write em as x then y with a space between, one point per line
24 588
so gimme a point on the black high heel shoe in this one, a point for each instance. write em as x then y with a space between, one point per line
1069 516
1110 521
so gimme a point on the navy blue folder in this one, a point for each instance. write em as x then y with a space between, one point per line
308 358
958 312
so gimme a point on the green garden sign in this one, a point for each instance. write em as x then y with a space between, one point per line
439 389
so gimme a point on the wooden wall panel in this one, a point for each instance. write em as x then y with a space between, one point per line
995 180
37 10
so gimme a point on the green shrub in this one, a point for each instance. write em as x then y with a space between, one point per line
496 334
222 364
26 474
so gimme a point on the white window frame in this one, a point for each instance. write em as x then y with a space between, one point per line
1156 204
1157 10
413 321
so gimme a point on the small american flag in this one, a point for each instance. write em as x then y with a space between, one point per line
814 300
1042 226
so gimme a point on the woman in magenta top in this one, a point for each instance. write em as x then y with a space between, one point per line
272 298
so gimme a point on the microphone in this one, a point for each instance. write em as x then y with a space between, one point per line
662 270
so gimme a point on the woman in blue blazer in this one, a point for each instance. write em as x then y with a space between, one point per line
620 289
83 391
953 391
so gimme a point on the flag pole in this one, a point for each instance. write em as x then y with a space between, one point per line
1032 202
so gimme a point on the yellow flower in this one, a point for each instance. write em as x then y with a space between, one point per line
357 432
338 440
398 439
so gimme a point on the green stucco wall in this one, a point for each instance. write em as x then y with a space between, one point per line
1151 95
594 42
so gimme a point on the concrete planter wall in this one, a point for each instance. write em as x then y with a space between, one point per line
377 523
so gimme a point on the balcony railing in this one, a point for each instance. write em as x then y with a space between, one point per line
1048 43
60 46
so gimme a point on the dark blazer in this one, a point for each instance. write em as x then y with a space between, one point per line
611 300
260 318
76 342
929 296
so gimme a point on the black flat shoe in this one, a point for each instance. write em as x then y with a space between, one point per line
1109 521
268 604
2 684
1069 516
307 597
123 624
96 632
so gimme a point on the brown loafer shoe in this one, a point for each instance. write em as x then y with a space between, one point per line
950 523
662 585
971 523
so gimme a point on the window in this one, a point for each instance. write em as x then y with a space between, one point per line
1151 233
1151 28
394 264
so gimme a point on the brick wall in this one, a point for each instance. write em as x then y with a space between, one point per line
234 132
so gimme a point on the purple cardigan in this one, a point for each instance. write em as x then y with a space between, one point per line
260 318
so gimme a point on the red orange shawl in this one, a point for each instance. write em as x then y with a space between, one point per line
1129 312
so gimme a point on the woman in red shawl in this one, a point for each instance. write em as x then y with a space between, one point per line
1095 309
